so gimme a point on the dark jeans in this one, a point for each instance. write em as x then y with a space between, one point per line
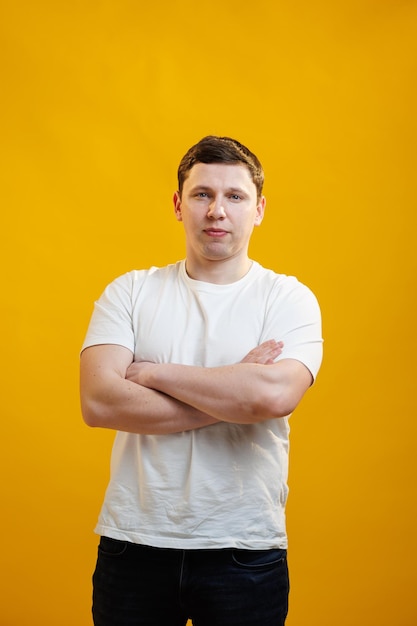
136 585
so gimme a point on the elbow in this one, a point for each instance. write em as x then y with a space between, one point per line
286 402
283 408
92 414
90 418
276 405
281 395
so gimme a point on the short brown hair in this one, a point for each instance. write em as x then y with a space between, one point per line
213 149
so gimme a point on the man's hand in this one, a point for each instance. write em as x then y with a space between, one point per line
265 353
137 370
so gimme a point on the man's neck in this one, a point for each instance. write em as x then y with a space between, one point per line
218 272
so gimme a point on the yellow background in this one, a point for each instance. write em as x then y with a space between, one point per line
100 99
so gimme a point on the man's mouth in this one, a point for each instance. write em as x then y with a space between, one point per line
215 232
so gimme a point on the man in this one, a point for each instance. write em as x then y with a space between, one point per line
198 365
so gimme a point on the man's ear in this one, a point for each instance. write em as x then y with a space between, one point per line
177 206
260 210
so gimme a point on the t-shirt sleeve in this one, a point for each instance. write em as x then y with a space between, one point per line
111 320
294 317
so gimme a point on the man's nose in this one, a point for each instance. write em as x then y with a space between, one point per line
216 209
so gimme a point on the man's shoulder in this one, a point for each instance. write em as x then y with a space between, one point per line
272 276
155 272
282 285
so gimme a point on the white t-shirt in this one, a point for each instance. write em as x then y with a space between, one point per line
223 485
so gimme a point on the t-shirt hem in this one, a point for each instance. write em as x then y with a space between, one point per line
192 543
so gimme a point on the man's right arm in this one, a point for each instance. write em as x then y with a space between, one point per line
108 400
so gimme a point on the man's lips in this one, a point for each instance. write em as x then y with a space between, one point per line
215 232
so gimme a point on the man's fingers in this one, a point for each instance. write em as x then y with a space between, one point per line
265 353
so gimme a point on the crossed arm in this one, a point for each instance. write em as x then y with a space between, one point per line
165 398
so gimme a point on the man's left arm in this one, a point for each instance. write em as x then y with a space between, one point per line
242 393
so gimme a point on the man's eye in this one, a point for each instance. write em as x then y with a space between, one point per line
202 194
234 196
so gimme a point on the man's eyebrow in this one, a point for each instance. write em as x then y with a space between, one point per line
239 190
200 188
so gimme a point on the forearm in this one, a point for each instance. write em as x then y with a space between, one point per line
109 400
136 409
240 393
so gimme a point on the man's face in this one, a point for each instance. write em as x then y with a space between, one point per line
219 209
